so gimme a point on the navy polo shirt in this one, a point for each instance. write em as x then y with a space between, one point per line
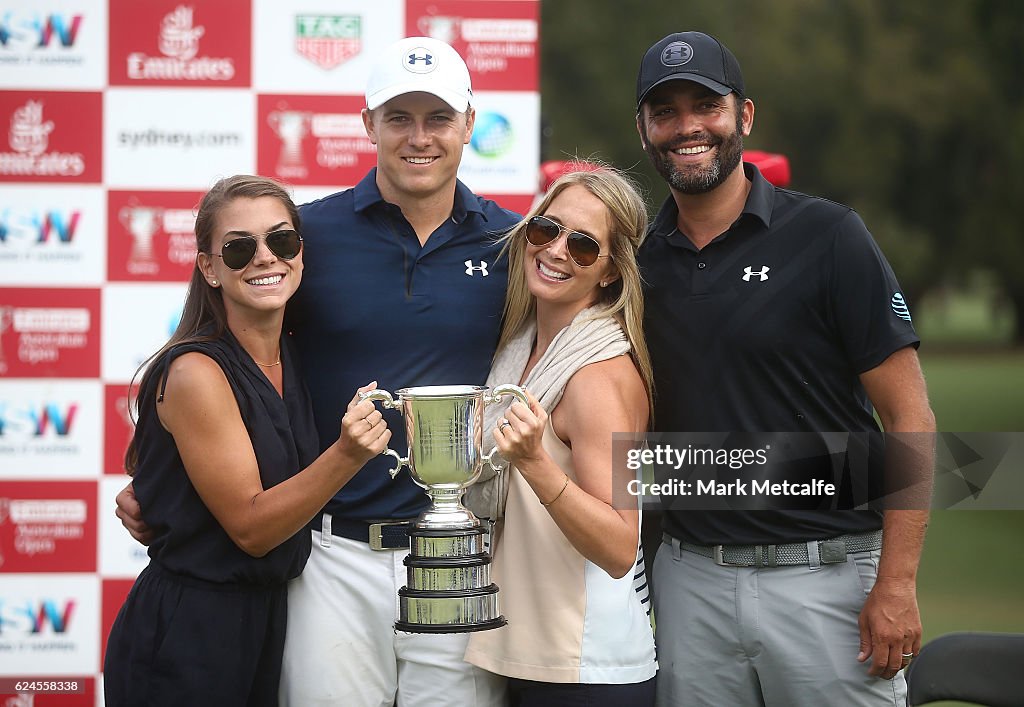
766 329
375 305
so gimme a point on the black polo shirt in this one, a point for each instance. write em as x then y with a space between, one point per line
766 329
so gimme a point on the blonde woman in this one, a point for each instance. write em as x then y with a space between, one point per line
566 553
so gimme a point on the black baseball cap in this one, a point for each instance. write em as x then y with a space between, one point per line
690 56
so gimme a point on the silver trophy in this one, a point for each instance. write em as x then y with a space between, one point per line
449 588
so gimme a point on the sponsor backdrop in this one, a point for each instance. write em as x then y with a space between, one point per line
115 117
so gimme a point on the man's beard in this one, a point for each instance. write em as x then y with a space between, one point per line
694 179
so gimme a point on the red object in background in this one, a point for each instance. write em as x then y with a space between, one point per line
50 333
169 43
51 136
118 425
151 235
48 526
774 166
305 139
115 591
498 40
553 169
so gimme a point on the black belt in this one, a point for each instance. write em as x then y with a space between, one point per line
829 552
379 534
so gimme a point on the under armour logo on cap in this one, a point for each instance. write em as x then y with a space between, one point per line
676 54
420 60
419 64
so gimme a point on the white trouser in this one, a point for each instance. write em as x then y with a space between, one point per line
341 648
770 636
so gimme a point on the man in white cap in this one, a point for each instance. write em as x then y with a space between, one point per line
403 286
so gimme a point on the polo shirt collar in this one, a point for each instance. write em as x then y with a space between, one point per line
366 194
759 204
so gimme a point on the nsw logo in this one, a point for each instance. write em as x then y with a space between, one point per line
899 306
38 31
35 618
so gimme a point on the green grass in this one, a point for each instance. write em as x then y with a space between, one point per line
971 317
971 577
980 391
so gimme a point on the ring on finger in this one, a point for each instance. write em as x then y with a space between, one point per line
503 424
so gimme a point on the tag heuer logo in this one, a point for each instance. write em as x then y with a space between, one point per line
328 40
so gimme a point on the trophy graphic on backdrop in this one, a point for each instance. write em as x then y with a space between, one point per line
142 223
449 587
291 126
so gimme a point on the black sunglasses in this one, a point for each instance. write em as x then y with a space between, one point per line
583 249
239 252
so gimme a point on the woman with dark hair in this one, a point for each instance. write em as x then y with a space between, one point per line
225 465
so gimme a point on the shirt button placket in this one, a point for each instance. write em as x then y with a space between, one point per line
700 276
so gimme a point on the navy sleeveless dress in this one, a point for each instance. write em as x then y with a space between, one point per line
204 623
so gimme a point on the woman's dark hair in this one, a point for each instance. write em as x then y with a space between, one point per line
203 317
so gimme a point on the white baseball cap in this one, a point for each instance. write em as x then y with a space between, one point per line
419 64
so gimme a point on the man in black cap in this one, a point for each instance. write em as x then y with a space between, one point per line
770 311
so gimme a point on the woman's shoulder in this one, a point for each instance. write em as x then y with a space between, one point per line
611 382
192 373
616 373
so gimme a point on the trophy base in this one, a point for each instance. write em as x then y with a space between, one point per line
448 573
440 611
450 628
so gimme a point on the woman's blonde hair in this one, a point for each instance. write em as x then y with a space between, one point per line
623 298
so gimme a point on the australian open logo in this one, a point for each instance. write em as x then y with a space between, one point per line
676 54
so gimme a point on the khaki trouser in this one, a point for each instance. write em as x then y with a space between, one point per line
784 636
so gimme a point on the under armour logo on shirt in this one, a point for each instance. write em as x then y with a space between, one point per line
762 274
482 268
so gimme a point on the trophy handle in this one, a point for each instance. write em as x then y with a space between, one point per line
495 396
499 391
388 403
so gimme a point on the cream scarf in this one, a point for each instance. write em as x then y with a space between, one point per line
590 337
